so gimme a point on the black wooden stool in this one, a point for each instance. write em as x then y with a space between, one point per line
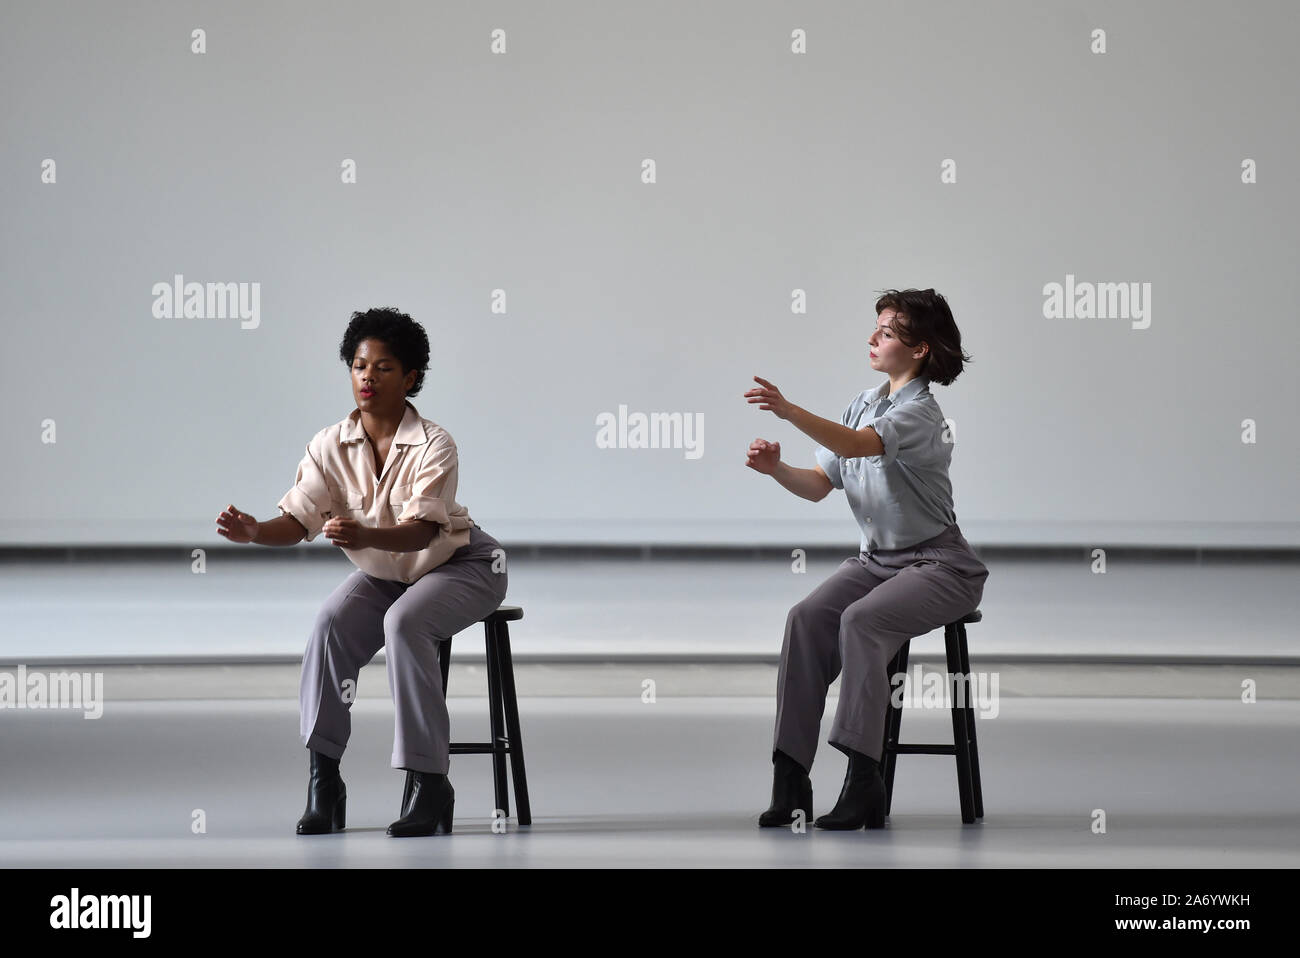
963 723
504 714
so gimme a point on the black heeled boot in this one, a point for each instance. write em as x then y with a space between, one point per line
791 790
327 798
862 800
429 805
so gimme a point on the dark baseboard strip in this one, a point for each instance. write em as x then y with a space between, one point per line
541 550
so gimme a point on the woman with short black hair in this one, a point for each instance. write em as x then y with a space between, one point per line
381 485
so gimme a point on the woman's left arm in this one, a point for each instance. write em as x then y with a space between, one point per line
845 441
409 536
425 512
433 494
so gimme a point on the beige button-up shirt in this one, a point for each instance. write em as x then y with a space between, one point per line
336 479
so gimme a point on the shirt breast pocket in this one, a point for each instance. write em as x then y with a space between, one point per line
350 504
398 497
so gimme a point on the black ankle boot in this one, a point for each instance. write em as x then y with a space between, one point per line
429 805
327 797
791 790
862 800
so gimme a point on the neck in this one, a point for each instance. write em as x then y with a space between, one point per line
898 382
382 424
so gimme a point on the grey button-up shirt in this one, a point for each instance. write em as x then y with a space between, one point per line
903 496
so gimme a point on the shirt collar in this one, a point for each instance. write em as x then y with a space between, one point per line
410 432
910 390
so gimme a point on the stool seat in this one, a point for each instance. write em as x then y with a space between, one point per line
963 746
509 613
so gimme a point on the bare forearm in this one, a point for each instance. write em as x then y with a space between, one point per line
280 531
403 537
842 440
805 483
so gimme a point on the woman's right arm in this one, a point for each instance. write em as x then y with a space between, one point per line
810 484
281 531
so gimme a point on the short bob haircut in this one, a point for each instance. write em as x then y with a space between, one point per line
926 318
404 337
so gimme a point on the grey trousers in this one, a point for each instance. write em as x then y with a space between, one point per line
854 623
408 621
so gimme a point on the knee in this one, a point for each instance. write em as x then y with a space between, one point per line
865 624
323 631
808 622
800 614
401 624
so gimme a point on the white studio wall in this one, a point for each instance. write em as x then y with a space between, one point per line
638 207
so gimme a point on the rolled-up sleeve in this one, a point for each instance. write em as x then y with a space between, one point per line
433 490
910 435
309 500
830 464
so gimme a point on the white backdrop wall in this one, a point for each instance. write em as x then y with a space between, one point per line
985 149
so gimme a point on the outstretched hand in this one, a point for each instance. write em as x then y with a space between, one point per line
770 398
237 526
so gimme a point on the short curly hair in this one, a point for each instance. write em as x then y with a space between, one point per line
404 337
925 317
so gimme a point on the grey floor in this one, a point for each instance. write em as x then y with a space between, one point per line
1185 772
618 782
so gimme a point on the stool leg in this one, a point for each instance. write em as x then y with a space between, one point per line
494 710
893 728
444 663
507 669
964 651
961 743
